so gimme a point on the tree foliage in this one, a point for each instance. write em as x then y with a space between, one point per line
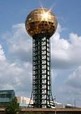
13 107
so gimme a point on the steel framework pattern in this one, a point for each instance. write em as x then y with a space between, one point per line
42 96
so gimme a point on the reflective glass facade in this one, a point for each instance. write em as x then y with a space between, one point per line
6 96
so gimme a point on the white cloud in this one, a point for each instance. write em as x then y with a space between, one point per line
16 74
74 80
13 76
70 86
19 43
64 51
2 55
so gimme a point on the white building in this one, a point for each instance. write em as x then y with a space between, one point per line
23 101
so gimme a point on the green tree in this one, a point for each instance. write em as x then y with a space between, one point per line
13 107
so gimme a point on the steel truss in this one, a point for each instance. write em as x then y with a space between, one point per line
41 93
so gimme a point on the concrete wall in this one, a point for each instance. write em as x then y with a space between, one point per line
46 113
49 111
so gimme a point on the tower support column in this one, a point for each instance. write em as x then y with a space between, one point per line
42 97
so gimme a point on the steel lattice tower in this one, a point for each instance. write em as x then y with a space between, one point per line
41 24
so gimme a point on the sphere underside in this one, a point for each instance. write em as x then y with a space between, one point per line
40 28
41 21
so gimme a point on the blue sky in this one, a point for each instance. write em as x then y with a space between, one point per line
16 46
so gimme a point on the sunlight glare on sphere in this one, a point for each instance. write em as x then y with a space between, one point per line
45 16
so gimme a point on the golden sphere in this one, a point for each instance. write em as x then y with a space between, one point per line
41 22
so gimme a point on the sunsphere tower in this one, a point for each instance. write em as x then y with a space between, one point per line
41 24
